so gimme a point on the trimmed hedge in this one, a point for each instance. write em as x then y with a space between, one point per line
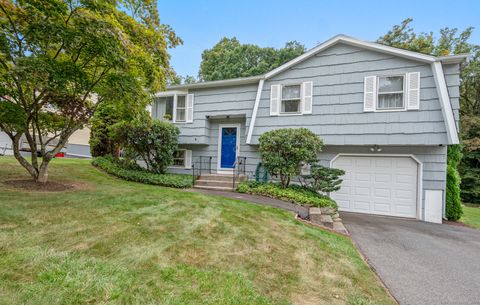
293 193
453 203
141 175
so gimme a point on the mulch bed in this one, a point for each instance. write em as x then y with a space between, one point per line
50 186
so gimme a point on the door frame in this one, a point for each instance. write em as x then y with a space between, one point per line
419 196
219 144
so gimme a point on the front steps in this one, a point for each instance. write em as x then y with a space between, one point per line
218 182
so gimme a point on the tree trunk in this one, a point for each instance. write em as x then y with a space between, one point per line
42 176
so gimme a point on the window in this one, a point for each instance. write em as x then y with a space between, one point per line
180 111
290 99
163 108
390 92
179 158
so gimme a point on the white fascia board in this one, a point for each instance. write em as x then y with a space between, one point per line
354 42
170 93
255 110
217 83
444 98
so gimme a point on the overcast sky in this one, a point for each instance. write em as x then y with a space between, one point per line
201 24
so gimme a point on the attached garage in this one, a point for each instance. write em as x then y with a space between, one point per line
378 184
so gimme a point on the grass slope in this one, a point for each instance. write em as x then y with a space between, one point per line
118 242
471 216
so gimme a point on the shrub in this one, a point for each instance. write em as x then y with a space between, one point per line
101 140
152 141
283 151
137 174
323 179
453 202
293 193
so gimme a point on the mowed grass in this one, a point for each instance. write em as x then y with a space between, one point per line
117 242
471 215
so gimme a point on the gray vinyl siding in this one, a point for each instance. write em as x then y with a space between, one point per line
338 117
226 101
452 77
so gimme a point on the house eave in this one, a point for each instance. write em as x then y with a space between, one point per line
217 83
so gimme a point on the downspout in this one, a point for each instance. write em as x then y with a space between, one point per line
255 110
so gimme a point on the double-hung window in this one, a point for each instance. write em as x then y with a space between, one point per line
179 158
177 108
390 92
291 99
181 107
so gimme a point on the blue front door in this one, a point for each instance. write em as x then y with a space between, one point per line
229 147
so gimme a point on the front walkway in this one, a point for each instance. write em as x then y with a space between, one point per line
300 210
421 263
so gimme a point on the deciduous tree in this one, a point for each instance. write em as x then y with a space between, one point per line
59 60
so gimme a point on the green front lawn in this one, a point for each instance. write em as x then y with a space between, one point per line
471 216
116 242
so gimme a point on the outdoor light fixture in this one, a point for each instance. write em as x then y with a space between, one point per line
375 148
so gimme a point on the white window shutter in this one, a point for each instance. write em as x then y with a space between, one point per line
188 158
370 93
275 96
189 108
307 96
413 90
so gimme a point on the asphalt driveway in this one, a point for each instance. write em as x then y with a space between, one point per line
421 263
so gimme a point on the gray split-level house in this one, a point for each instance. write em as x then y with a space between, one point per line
386 117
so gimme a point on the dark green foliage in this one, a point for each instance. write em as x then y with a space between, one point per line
469 168
132 172
323 179
152 141
101 136
12 117
283 151
230 59
452 200
293 193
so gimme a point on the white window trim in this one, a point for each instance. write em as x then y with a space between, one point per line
175 95
404 108
184 159
300 104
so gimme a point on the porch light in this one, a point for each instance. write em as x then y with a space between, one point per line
375 148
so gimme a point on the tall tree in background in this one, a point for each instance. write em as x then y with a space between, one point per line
450 41
230 59
59 60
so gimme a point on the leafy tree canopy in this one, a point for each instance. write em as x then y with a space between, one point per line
59 60
230 59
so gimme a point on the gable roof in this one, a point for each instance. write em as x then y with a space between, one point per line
426 58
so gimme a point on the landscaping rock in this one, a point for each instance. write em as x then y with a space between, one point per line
328 210
336 215
315 215
338 219
326 220
339 227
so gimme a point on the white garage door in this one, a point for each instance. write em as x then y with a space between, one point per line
378 185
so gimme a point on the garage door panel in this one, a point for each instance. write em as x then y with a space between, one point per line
378 185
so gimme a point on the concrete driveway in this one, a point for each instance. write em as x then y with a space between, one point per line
421 263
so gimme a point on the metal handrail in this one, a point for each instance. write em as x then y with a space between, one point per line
238 165
199 167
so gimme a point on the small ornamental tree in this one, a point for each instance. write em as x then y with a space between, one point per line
151 141
323 179
61 59
283 151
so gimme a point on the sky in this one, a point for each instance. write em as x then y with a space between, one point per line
270 23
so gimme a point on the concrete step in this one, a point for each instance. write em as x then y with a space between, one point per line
220 177
216 183
216 188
